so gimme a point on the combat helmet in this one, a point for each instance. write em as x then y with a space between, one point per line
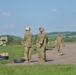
27 28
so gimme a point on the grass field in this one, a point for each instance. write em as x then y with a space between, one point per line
17 52
14 52
38 70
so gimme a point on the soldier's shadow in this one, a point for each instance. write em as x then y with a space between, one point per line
49 60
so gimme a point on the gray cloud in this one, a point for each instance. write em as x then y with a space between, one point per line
3 14
7 26
54 10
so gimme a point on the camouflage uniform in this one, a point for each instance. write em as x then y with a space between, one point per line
41 45
27 45
59 44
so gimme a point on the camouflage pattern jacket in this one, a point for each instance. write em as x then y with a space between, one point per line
59 40
28 39
41 39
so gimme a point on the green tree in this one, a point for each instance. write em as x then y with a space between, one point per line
10 40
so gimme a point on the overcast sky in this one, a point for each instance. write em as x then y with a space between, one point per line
53 15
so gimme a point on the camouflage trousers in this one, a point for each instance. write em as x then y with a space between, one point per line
59 46
42 53
27 53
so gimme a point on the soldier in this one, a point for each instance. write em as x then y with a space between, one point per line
59 41
27 39
41 45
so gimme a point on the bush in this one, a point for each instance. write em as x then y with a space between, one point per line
69 39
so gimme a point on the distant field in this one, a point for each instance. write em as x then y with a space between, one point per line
18 51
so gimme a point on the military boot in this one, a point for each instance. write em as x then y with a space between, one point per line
46 58
42 60
26 61
39 59
29 61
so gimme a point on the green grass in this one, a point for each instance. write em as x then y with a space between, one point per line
38 70
14 52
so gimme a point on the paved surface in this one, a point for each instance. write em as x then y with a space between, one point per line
68 57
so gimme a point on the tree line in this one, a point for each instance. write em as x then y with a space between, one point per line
67 37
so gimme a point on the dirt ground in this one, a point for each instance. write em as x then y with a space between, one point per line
68 57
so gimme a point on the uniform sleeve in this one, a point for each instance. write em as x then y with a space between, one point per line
37 41
25 38
45 39
62 41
